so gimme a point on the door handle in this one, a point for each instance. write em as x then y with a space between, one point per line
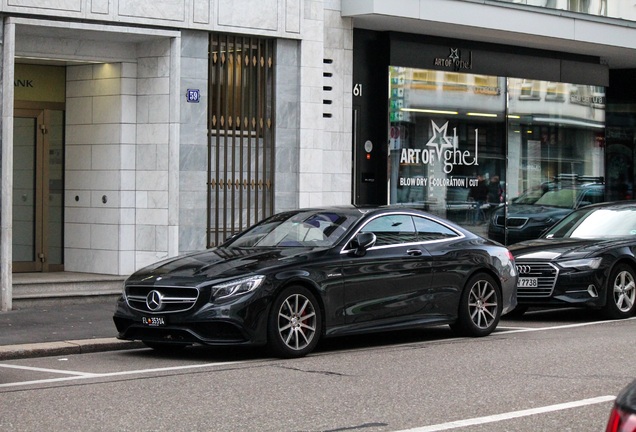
414 252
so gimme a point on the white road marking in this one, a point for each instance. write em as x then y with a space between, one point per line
80 375
511 415
506 328
568 326
37 369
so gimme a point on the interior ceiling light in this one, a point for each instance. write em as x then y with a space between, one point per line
476 114
569 122
428 111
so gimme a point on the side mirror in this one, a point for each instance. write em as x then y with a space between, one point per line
363 241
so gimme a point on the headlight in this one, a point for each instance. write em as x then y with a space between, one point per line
582 264
237 287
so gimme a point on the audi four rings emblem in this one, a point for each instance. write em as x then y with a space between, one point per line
524 269
153 300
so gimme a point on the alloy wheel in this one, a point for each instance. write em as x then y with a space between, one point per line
482 304
624 291
297 322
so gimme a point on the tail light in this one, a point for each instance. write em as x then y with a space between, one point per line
621 421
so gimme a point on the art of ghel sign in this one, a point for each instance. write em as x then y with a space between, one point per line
440 149
455 60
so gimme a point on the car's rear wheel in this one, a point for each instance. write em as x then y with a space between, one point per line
479 307
621 292
294 323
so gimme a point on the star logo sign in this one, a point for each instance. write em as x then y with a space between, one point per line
454 54
439 140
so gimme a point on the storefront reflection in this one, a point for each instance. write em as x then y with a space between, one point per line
614 9
462 145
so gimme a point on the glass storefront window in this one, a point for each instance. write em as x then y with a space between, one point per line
468 147
616 9
447 143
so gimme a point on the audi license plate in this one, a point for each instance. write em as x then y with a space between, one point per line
154 321
525 282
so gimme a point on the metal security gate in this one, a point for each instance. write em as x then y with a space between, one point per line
240 135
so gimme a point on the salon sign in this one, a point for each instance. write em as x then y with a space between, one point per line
441 149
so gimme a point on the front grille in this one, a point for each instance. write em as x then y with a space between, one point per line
513 222
517 222
546 275
164 300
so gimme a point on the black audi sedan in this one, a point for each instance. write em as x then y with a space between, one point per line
305 274
588 259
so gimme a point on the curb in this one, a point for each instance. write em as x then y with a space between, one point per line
47 349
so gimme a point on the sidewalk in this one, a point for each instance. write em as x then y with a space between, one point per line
63 329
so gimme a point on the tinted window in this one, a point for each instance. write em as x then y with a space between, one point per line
391 229
428 229
596 224
306 228
592 196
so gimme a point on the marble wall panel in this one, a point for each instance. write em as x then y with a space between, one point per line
100 6
168 10
65 5
279 18
292 16
262 15
201 11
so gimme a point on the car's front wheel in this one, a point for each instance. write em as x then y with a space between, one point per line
294 323
621 292
479 307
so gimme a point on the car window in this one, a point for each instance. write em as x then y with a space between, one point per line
428 229
391 229
531 196
592 196
563 198
596 224
292 229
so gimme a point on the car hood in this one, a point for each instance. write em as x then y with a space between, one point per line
529 210
553 249
219 264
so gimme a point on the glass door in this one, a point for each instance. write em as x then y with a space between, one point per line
38 186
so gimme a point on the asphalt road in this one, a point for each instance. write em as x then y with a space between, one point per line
548 371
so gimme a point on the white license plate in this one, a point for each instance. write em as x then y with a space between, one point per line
154 321
528 282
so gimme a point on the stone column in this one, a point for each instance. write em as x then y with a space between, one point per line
6 166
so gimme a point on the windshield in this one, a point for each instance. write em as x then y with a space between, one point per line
293 229
562 198
531 196
596 223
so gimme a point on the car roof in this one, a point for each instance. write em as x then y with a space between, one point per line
613 205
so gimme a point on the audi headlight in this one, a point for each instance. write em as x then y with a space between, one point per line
582 264
237 287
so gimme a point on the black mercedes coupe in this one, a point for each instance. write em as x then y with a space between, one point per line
301 275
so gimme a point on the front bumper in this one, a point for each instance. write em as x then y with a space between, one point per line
240 322
569 287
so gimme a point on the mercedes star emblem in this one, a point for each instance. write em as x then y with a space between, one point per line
153 300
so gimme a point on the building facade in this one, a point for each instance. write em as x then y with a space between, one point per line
134 130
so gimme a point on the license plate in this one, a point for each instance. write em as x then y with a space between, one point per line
528 282
153 321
